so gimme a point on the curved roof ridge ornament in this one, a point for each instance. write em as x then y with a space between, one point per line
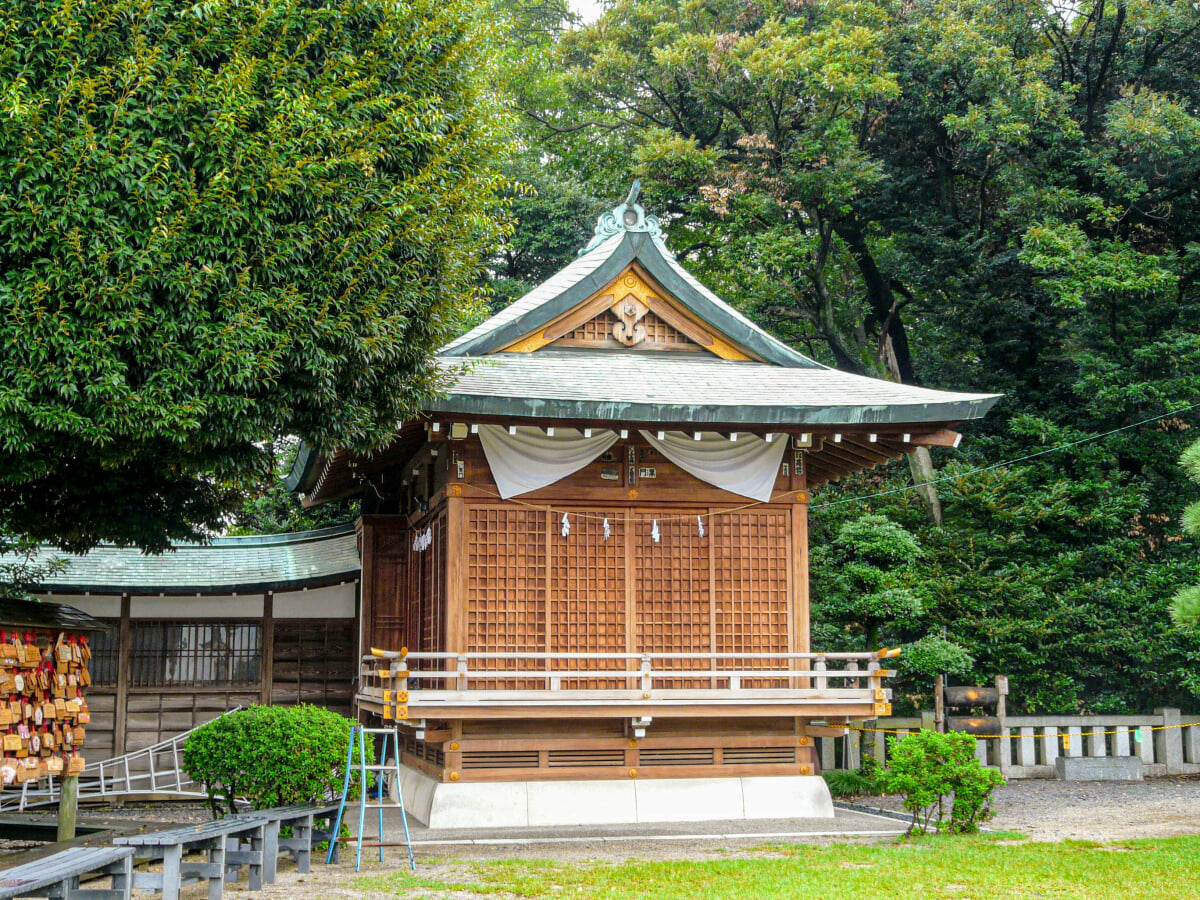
630 216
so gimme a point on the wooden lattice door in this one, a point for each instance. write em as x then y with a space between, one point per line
506 585
750 585
673 600
588 594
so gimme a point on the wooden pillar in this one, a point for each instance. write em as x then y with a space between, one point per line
267 678
367 585
456 573
800 602
124 652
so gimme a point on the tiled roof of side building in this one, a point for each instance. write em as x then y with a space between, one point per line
256 563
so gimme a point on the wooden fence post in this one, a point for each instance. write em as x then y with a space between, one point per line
68 807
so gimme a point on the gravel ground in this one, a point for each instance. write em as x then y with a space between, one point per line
1049 810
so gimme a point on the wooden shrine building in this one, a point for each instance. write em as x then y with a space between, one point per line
586 566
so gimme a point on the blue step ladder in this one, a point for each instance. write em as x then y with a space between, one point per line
358 746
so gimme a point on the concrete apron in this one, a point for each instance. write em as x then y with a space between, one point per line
535 804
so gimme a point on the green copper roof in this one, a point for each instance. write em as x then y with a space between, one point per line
690 389
595 269
258 563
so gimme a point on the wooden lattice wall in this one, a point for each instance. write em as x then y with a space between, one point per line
725 591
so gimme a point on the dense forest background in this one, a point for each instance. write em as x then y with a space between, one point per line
978 195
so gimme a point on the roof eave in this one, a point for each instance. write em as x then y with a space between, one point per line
599 410
304 470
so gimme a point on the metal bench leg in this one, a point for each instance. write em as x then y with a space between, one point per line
257 842
302 830
216 855
122 877
172 857
232 870
270 850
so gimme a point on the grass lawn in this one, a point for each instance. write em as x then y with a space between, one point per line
935 867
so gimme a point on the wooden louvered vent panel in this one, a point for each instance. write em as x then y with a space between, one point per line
500 759
673 602
587 594
597 330
751 587
677 756
663 334
506 590
754 756
561 759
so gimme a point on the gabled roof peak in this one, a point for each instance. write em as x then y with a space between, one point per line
629 216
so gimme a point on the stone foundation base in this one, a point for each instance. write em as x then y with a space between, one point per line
1099 768
531 804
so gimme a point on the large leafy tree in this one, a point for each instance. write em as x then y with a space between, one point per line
222 222
1004 196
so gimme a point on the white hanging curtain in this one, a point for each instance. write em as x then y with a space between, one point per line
747 466
532 459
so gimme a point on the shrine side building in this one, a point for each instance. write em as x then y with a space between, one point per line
584 584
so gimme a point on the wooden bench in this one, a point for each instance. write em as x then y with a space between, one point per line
301 818
58 876
211 838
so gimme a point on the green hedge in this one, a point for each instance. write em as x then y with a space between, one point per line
270 755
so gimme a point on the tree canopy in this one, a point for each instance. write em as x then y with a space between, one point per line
220 223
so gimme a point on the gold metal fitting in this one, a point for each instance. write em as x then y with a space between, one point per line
633 773
633 744
803 742
454 745
805 770
454 776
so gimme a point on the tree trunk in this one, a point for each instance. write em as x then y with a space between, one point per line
893 353
920 463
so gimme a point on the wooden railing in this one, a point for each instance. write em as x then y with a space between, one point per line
393 681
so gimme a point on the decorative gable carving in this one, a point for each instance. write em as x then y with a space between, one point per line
629 312
602 332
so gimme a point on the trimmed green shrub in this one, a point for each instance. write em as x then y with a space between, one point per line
932 770
271 756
